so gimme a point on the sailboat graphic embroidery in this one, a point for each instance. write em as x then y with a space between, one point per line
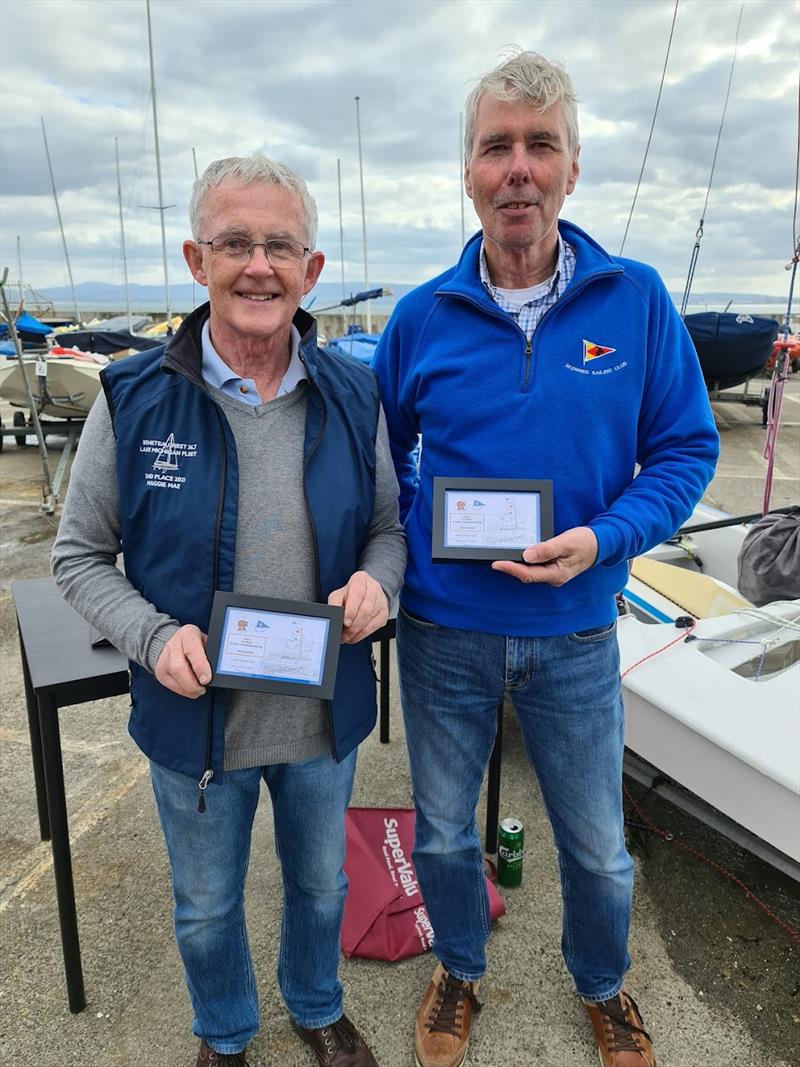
165 460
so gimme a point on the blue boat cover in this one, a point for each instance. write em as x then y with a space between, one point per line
359 345
731 348
27 324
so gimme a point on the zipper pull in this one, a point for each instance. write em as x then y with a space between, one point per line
201 803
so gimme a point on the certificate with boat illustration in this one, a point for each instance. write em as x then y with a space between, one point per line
274 646
489 518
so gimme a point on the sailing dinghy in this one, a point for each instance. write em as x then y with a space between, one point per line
711 685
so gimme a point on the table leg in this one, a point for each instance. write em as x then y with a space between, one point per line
493 789
62 860
384 690
36 746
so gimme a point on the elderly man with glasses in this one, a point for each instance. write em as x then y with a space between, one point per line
279 483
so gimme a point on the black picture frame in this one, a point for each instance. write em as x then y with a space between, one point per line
258 606
441 552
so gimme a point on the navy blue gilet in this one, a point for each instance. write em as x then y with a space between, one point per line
178 488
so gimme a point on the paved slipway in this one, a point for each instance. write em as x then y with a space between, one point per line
717 980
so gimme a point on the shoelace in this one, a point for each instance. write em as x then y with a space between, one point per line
445 1018
222 1059
342 1036
622 1029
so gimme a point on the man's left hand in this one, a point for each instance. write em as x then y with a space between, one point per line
556 561
365 607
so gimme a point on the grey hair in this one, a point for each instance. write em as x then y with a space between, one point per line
247 169
530 77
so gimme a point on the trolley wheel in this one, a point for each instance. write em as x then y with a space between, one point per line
1 435
19 420
764 407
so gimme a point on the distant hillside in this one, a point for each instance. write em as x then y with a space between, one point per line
734 298
99 296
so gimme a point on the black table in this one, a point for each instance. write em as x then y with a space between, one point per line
60 668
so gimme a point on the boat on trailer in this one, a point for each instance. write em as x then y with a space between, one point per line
734 350
711 687
64 382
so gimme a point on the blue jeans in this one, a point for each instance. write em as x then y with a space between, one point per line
209 854
566 693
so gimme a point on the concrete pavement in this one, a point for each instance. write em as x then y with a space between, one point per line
716 979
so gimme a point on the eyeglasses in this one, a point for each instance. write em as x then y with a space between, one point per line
280 251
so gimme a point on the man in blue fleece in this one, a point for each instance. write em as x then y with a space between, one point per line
538 355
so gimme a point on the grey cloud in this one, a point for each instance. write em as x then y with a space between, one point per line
281 76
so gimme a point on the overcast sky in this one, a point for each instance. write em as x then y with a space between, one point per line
280 77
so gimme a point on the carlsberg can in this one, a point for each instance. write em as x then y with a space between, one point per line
509 852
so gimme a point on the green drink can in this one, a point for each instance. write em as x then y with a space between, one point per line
510 837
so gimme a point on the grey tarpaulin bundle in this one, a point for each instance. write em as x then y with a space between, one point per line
769 562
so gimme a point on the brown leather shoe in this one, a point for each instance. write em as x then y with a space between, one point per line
337 1045
444 1020
620 1033
207 1057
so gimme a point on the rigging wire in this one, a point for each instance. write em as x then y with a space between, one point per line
795 241
649 136
780 371
699 234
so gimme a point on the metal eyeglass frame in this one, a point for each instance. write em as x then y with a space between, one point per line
260 244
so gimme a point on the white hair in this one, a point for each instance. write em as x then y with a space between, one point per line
247 169
530 77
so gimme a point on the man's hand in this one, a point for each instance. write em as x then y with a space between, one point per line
555 561
365 607
182 665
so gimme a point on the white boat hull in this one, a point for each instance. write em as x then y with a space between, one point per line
72 386
732 741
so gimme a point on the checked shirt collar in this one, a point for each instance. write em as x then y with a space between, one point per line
527 317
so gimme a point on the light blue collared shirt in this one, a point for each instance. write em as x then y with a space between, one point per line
216 372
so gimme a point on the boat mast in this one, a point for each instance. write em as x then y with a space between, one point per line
161 206
122 235
61 226
194 161
363 213
21 282
461 170
341 224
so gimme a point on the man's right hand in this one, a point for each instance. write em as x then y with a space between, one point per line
182 665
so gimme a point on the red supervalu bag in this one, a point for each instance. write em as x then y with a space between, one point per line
384 916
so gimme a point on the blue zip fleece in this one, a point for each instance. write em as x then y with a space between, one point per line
178 509
456 369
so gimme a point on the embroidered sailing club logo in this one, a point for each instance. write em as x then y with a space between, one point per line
592 351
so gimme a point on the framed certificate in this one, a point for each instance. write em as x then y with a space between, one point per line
489 518
274 646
